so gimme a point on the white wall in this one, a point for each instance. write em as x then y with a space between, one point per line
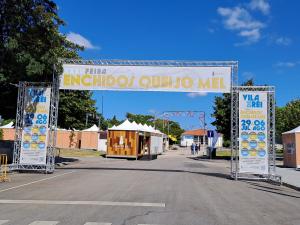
219 143
186 141
156 145
102 145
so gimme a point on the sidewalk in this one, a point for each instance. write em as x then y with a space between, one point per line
289 176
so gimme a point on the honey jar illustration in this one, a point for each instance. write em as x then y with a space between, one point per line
34 145
42 137
245 144
253 136
261 144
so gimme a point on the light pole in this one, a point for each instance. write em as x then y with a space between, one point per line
87 118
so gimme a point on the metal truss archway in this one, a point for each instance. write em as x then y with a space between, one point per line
270 90
19 126
187 113
50 165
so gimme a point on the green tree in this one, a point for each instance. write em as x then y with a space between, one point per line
174 127
30 44
222 112
72 114
287 118
171 127
139 118
113 122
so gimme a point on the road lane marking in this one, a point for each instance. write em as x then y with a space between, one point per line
3 221
95 223
34 182
44 223
98 203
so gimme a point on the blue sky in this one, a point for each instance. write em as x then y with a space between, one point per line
262 35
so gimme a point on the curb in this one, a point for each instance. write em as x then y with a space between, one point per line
291 186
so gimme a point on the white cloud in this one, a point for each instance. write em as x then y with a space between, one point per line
240 20
196 94
287 64
80 40
283 41
251 35
260 5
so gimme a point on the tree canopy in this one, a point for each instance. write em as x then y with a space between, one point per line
287 118
222 112
113 122
30 45
162 125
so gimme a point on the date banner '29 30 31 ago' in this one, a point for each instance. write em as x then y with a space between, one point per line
146 78
35 131
253 132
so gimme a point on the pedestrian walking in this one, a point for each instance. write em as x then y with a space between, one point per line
193 148
196 149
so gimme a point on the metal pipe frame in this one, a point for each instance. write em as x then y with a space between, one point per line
168 63
166 114
49 166
271 176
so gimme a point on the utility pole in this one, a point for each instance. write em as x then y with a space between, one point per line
86 119
101 111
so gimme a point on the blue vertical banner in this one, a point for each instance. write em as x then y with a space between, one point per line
253 132
35 126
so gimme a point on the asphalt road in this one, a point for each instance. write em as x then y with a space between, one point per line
172 190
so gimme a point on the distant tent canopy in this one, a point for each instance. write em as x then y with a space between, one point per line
133 126
92 128
295 130
9 125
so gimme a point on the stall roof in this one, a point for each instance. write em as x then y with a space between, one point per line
133 126
126 125
92 128
9 125
296 130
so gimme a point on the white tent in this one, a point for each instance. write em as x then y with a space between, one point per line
9 125
296 130
61 129
126 125
142 127
92 128
147 128
152 129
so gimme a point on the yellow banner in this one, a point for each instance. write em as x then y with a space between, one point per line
146 78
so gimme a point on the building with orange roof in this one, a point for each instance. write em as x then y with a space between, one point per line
198 136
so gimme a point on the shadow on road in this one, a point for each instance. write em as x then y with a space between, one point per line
266 188
275 192
262 186
219 175
205 158
59 159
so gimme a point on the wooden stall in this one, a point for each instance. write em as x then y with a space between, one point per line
132 140
291 148
123 143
